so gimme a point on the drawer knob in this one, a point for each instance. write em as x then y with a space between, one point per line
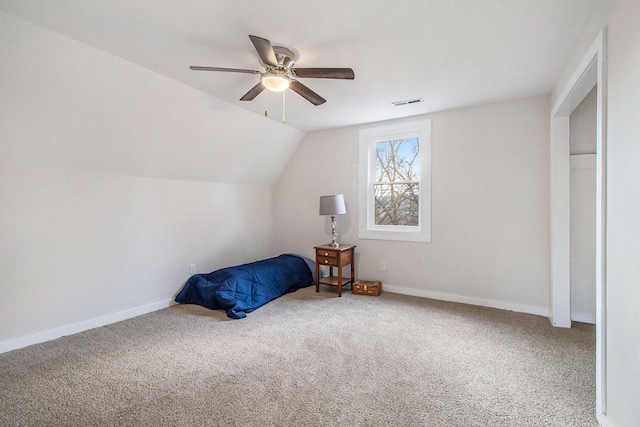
326 261
326 254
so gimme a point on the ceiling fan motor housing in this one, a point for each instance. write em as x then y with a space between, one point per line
286 58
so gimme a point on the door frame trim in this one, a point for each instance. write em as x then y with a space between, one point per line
592 70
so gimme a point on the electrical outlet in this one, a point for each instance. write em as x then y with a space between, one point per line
383 266
192 268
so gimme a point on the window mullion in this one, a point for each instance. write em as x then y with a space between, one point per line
395 182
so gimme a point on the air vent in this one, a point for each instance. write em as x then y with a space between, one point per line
407 102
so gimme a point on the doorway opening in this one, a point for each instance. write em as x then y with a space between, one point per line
582 214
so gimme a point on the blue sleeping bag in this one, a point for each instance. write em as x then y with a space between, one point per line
243 288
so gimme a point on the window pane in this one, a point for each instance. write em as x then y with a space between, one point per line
396 204
397 160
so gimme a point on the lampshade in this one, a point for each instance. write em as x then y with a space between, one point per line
275 82
332 205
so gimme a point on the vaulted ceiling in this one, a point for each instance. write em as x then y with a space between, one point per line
451 53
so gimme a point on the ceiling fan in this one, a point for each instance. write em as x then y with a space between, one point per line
279 74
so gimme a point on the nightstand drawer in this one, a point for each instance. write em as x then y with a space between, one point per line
323 253
329 258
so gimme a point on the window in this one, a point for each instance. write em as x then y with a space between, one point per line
395 187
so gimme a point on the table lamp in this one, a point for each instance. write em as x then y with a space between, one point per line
333 205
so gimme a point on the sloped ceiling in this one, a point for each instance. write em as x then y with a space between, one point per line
449 53
68 106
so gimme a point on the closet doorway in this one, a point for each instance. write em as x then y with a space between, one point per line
582 159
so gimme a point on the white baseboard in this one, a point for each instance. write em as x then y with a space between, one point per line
539 311
82 326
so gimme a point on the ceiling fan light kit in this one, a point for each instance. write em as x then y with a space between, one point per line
274 81
279 74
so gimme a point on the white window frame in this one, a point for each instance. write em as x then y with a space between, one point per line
368 139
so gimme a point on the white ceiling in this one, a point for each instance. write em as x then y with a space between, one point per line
451 53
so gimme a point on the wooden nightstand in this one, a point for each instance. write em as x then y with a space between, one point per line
338 257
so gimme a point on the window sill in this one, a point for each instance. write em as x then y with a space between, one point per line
406 236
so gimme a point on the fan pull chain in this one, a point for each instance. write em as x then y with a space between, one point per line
283 92
266 103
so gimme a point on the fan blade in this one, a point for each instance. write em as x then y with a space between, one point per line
265 50
230 70
325 73
306 93
253 92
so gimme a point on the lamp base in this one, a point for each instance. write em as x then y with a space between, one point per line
334 235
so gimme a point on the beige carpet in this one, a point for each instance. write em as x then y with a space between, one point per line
309 359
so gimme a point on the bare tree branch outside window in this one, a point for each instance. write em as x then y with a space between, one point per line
397 182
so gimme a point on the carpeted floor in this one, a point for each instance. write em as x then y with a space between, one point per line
309 359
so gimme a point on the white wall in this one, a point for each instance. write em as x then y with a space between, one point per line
583 209
601 16
623 217
583 126
113 179
490 208
77 245
619 19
